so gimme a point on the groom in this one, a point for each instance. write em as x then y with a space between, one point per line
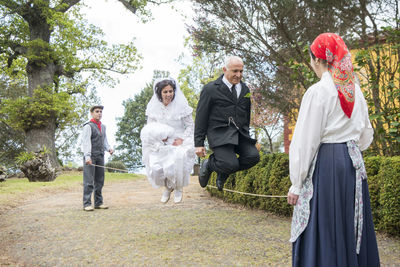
223 115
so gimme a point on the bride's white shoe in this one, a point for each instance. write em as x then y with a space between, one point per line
178 195
166 194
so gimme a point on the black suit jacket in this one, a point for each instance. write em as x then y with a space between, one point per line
220 116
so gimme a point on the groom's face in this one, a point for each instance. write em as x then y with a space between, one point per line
234 72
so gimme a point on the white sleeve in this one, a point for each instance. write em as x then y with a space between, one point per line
86 142
306 139
368 133
105 141
189 127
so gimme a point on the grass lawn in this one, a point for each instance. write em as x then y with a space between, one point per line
15 190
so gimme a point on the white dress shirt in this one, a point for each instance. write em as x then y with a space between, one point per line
87 143
238 86
322 120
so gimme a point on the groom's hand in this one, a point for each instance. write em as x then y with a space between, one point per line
201 151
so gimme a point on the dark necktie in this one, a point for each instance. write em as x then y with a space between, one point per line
234 92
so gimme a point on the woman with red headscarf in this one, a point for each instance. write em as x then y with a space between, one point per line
332 222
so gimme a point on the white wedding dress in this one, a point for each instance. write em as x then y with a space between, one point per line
168 165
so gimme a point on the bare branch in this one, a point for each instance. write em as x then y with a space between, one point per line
131 8
160 2
107 69
65 5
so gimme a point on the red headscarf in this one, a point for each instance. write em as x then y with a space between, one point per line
331 47
98 123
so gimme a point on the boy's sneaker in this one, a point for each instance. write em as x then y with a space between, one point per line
88 208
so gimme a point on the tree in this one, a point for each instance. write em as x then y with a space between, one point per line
205 67
12 141
129 149
267 35
379 69
49 46
265 120
11 145
67 137
273 36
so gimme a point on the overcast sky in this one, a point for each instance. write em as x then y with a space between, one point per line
160 42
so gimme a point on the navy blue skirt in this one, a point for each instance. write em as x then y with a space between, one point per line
329 238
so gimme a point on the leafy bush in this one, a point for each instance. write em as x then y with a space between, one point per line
372 165
24 157
27 156
271 177
389 176
116 164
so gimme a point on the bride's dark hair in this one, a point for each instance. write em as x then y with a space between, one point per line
161 85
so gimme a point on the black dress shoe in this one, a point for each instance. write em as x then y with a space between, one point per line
204 173
220 181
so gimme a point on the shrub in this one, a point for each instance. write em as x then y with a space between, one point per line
389 176
271 177
116 164
372 165
278 186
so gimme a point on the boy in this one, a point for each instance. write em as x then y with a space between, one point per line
94 143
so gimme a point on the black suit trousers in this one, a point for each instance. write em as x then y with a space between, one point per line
224 160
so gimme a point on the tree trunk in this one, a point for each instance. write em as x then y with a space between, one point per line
41 71
36 139
39 169
271 147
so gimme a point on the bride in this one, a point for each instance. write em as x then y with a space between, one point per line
167 139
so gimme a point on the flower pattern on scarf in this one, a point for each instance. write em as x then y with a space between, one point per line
329 55
331 47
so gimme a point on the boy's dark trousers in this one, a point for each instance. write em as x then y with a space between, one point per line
93 178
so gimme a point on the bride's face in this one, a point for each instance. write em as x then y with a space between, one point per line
167 94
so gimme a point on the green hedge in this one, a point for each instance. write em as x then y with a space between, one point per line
116 164
388 200
271 177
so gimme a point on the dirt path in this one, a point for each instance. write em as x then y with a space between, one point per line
138 230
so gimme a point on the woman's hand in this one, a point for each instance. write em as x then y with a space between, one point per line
292 198
177 142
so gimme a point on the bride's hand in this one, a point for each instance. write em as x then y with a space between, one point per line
177 142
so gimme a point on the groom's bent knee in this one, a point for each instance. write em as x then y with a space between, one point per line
228 166
249 160
254 159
